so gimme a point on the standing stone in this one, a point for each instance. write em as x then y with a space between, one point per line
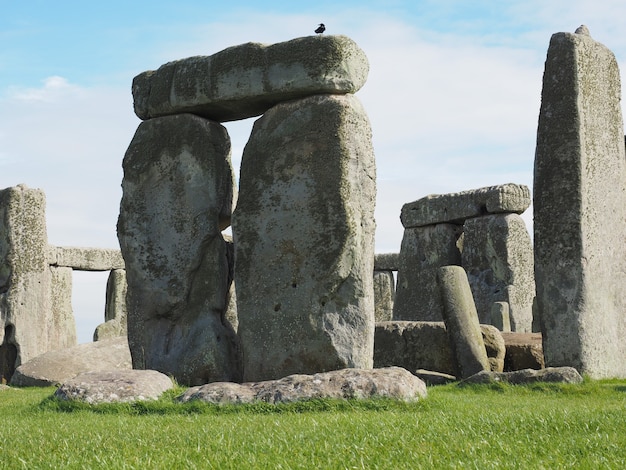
461 319
500 316
115 312
177 196
423 251
580 209
304 239
384 291
35 315
498 259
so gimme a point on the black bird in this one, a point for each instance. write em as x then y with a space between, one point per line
320 29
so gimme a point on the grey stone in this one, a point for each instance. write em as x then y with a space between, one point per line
523 351
500 317
527 376
423 251
246 80
461 319
115 311
425 345
498 258
386 261
391 382
582 29
115 386
85 259
580 209
304 239
177 197
384 291
457 207
31 317
56 367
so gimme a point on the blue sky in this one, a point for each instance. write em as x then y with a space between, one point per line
453 94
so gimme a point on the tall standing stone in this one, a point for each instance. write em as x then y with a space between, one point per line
580 209
177 196
423 251
304 239
35 298
498 258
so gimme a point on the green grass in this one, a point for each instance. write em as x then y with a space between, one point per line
541 426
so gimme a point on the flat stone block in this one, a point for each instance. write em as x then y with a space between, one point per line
246 80
85 259
454 208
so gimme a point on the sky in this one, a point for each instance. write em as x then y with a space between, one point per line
453 95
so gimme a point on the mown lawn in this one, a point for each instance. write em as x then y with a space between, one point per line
543 426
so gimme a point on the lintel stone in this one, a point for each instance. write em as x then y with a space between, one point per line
457 207
246 80
85 259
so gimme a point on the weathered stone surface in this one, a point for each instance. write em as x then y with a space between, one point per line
85 259
390 382
246 80
423 251
177 197
498 258
384 292
28 325
434 378
56 367
115 311
425 345
455 208
115 386
551 374
523 351
304 239
386 261
500 317
461 319
580 209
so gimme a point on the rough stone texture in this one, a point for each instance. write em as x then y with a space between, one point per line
500 317
425 345
552 374
115 386
457 207
391 382
384 292
461 319
56 367
85 259
177 197
386 261
115 312
523 351
423 251
579 209
246 80
498 258
31 322
304 239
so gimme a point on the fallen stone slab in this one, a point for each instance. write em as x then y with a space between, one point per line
390 382
246 80
416 345
85 259
526 376
115 386
523 351
457 207
56 367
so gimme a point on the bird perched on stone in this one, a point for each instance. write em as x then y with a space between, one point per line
582 29
320 29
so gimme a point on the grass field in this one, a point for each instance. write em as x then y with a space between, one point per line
500 426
